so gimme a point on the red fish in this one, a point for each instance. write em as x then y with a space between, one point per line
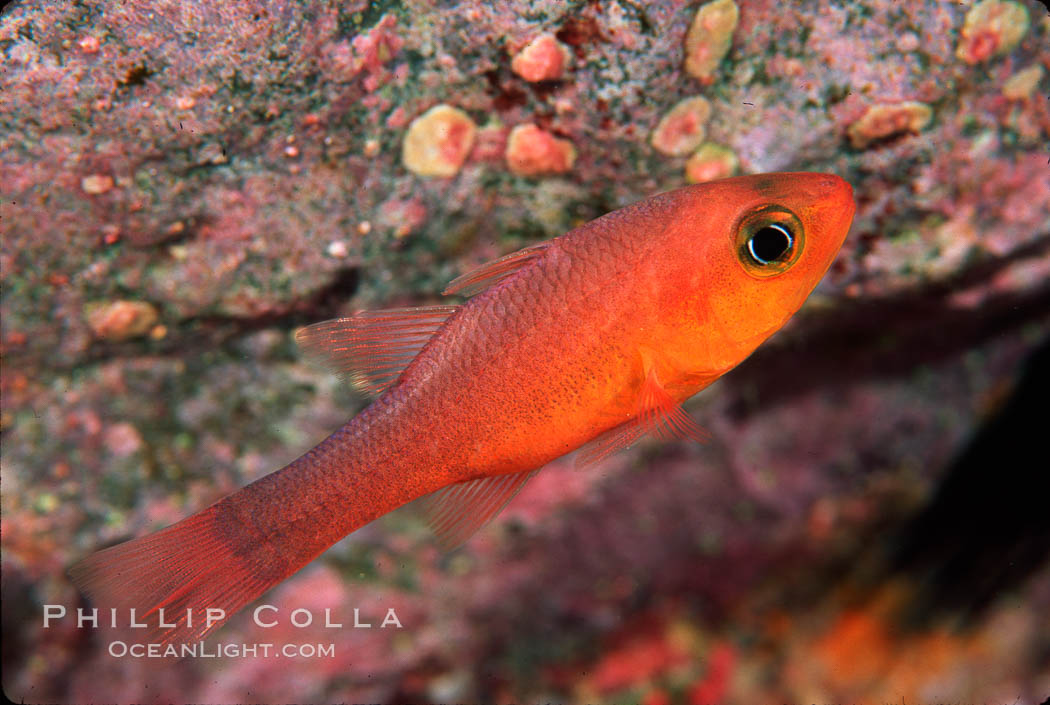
591 339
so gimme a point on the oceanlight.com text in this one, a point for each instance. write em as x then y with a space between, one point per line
121 649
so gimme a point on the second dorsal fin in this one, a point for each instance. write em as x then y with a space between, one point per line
372 348
493 272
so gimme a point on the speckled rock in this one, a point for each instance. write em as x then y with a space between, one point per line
239 166
711 161
992 28
710 36
889 120
682 129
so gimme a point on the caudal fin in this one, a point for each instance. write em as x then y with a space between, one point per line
227 555
189 574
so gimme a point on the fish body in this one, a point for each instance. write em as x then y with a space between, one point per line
591 339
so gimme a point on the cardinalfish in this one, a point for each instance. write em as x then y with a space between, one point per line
588 341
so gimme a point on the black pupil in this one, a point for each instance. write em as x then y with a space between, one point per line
769 244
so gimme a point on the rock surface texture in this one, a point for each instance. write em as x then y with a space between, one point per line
183 183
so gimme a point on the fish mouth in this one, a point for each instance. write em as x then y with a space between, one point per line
840 196
839 192
828 205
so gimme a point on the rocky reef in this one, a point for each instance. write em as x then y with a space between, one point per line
183 184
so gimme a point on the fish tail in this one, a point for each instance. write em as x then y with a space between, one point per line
230 553
193 570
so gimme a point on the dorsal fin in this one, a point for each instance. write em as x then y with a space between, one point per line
372 348
457 511
493 272
658 415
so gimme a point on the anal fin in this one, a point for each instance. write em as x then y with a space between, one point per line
457 511
372 348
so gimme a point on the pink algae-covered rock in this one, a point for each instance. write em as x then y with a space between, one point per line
491 144
991 28
682 129
542 59
95 184
378 45
709 38
1021 85
947 229
402 216
438 142
710 162
532 151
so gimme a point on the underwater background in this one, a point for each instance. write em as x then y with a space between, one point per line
184 184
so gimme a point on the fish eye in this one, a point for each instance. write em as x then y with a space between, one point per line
770 244
768 241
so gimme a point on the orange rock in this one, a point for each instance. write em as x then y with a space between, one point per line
120 320
641 659
542 59
857 648
887 119
94 184
532 151
991 27
709 38
682 129
89 44
657 696
1021 85
438 142
712 688
710 162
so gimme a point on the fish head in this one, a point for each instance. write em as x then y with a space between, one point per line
757 247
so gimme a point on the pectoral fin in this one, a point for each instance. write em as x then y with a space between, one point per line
658 415
665 418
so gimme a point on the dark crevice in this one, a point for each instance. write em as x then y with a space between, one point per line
880 339
209 332
505 92
983 270
888 337
215 330
579 32
330 299
857 341
986 530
